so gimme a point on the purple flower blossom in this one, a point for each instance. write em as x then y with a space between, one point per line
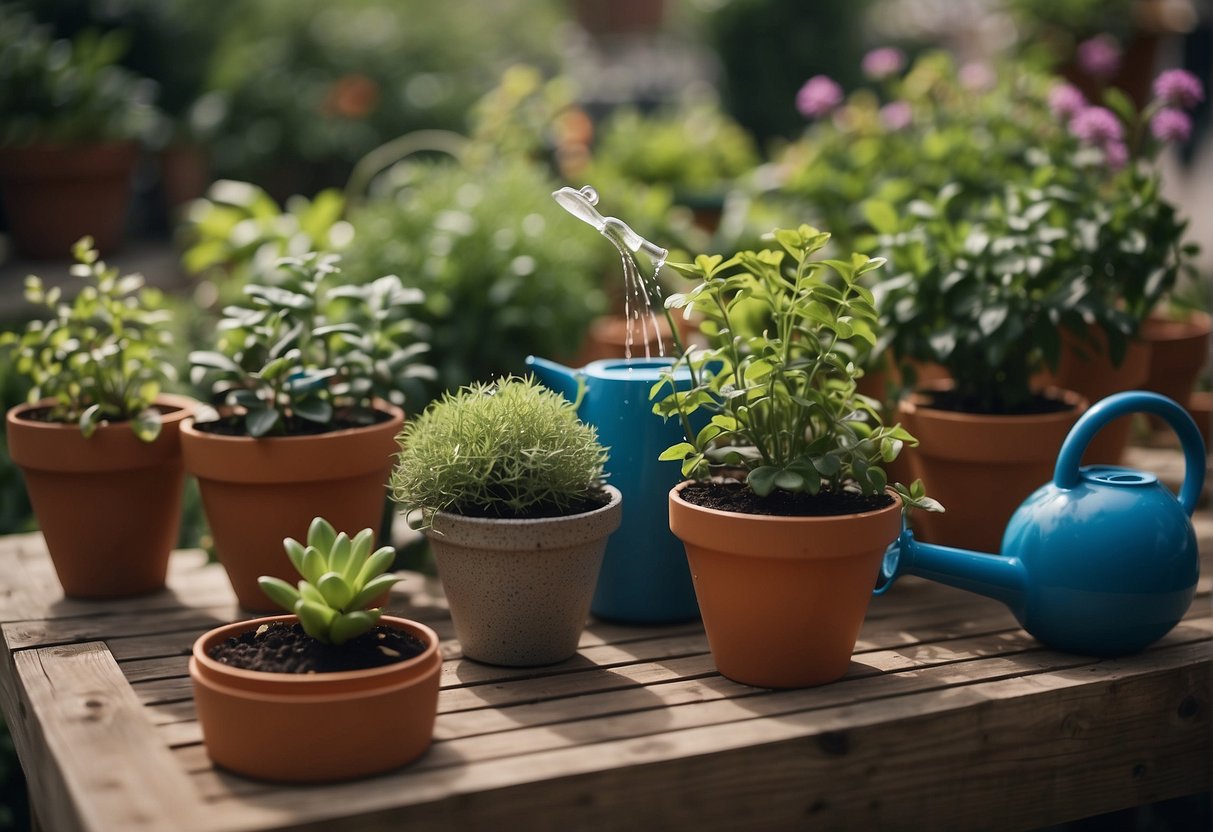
1115 155
1179 88
896 115
1099 56
976 76
1171 125
819 95
1066 101
883 62
1097 126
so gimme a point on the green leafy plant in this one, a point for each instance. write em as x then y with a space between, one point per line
309 354
508 449
67 91
782 405
101 357
341 577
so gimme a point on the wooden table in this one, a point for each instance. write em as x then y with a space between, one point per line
951 717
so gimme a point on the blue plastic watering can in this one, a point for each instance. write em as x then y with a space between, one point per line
645 578
1100 561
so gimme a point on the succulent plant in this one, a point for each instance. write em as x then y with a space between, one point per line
341 576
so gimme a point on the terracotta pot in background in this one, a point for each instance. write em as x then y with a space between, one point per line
55 194
316 727
1179 350
109 506
185 174
1200 405
608 338
255 492
520 590
981 467
782 598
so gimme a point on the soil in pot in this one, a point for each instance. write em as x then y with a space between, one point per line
279 647
736 497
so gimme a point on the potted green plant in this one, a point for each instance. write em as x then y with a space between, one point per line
98 441
70 121
785 546
309 375
332 692
508 485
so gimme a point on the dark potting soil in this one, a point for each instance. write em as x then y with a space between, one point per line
499 510
282 647
736 497
233 425
954 402
43 414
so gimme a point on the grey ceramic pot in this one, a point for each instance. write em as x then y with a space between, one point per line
520 590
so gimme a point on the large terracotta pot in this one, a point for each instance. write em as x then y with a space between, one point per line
255 492
782 598
1087 369
56 194
109 506
316 727
520 590
1179 350
981 467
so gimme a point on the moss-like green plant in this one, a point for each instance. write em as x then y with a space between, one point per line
341 575
507 449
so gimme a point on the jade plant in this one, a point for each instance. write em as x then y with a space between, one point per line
307 354
781 405
341 576
507 449
101 357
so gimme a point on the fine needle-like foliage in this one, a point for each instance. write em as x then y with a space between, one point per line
341 576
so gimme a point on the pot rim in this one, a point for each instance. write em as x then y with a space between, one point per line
915 404
183 408
276 685
676 494
395 413
616 499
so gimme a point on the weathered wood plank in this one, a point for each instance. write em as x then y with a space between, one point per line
92 760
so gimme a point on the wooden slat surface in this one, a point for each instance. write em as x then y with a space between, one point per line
951 717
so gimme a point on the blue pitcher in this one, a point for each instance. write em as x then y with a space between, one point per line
645 578
1102 560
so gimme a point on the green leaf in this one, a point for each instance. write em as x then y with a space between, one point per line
339 554
280 592
373 589
261 421
880 215
762 480
360 549
335 589
214 360
321 534
314 564
316 619
314 410
90 420
295 551
351 625
379 561
678 451
789 481
147 424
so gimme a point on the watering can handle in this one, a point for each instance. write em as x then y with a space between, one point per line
1066 474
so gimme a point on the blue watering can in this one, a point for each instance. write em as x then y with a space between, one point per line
1102 560
645 578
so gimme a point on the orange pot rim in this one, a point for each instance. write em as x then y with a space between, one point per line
915 403
183 408
188 428
297 687
1194 326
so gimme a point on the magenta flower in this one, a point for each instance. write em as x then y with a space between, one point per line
1099 56
883 62
976 76
1171 125
1097 126
1115 155
1066 101
896 115
1179 88
818 97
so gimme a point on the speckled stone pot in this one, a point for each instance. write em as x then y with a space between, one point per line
520 590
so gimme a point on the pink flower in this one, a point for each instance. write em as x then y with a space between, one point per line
883 62
1179 88
1099 56
1171 125
819 95
1066 101
1115 155
976 76
1097 126
897 115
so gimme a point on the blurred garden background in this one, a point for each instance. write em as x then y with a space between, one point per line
424 139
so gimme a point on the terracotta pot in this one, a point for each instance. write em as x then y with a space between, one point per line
1087 369
981 467
56 194
618 17
1200 405
255 492
884 382
316 727
109 506
520 590
184 174
782 598
608 338
1179 350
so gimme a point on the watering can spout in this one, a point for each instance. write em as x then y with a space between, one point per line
994 576
564 380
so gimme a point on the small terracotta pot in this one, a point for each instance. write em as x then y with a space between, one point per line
1200 405
316 727
1087 369
109 506
55 194
782 598
981 467
1179 350
520 590
255 492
